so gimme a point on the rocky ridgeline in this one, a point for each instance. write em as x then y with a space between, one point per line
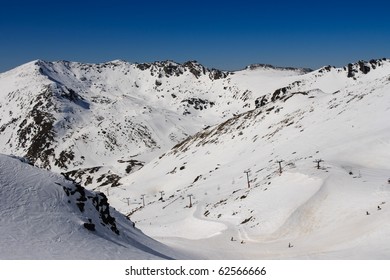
363 67
284 93
169 68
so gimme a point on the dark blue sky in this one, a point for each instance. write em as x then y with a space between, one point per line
222 34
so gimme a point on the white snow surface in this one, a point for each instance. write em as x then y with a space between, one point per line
39 221
250 120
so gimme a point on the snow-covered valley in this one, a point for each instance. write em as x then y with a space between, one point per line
262 163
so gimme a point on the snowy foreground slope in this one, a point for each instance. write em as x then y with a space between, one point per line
45 216
340 210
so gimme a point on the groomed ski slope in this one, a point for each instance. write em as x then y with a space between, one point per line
323 220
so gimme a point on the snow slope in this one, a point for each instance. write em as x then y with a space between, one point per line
43 216
339 116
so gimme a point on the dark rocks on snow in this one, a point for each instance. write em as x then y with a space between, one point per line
143 66
109 179
198 103
38 135
247 220
261 101
65 158
80 205
363 67
195 68
99 201
216 74
351 71
101 205
325 69
89 226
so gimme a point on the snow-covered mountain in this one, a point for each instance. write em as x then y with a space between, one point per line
171 146
45 216
100 122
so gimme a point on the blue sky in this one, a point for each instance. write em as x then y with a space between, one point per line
222 34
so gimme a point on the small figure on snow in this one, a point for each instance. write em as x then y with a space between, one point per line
290 245
367 213
379 208
242 241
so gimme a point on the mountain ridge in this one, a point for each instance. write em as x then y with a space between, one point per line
53 98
